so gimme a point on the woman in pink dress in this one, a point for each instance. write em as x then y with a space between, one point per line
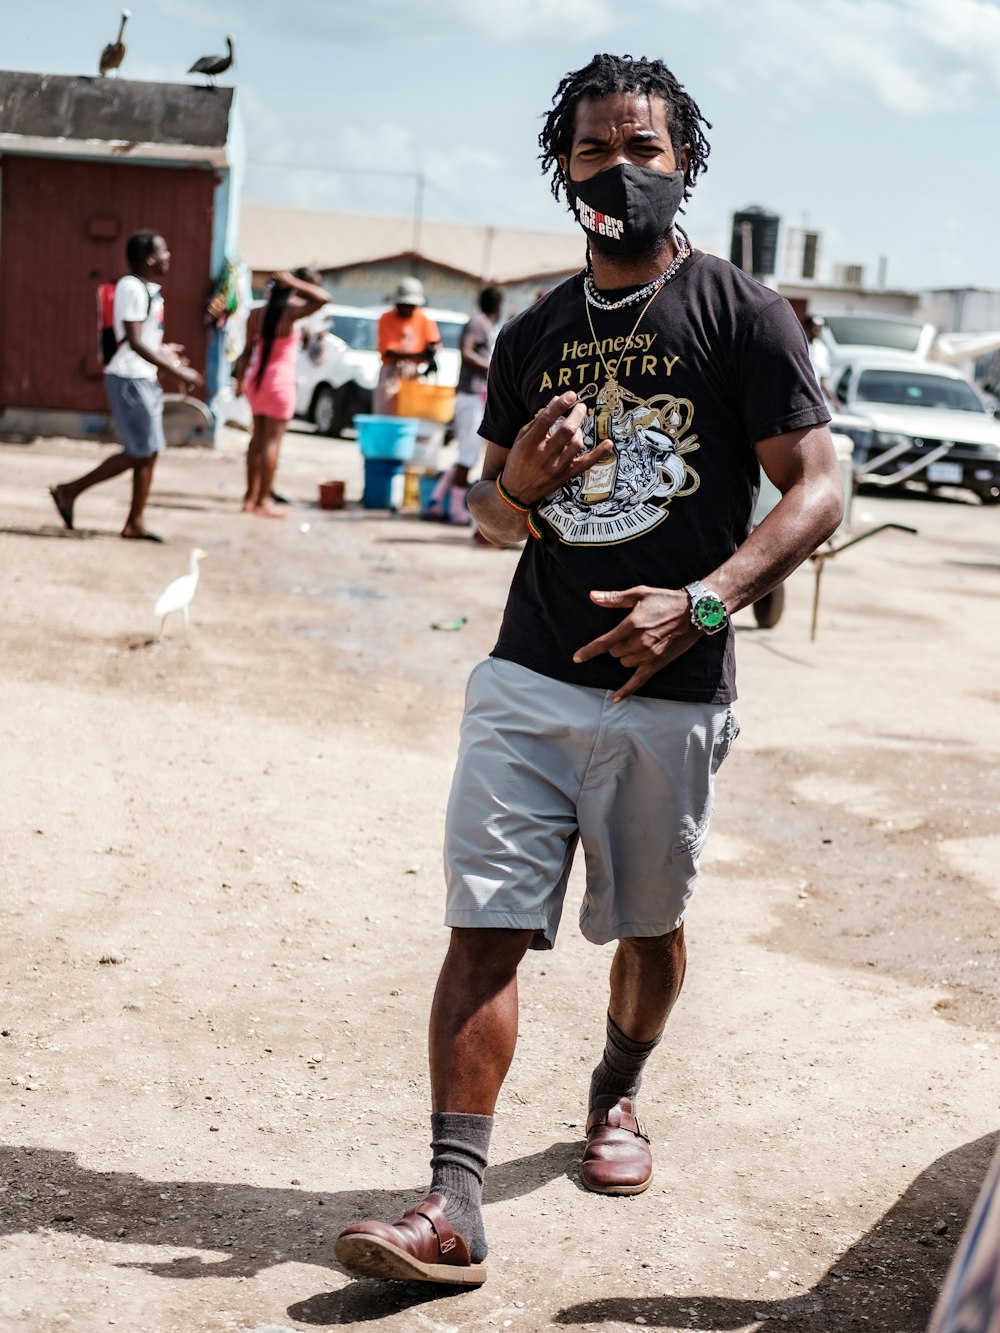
266 373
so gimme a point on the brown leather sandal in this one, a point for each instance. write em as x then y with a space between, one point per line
420 1247
617 1159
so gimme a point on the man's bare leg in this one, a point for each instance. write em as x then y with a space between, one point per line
473 1027
646 978
66 493
473 1032
142 480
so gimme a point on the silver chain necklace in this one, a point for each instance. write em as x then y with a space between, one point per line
599 303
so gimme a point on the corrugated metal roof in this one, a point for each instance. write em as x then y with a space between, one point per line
276 238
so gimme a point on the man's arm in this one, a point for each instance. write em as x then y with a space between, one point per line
166 359
548 451
803 466
657 629
391 353
470 354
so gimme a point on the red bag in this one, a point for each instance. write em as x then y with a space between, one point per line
107 343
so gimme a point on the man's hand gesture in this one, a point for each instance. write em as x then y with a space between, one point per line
657 629
549 451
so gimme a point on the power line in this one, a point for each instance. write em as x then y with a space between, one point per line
422 179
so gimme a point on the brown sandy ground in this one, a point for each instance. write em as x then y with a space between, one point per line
244 822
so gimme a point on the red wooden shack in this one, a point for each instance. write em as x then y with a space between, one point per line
83 164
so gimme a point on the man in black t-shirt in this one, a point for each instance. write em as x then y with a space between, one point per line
628 415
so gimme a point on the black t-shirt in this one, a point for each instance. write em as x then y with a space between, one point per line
716 364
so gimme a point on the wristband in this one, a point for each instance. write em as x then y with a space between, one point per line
511 500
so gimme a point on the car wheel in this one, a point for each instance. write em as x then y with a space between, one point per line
344 410
767 609
991 496
351 399
324 410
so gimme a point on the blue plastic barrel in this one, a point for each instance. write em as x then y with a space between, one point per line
425 487
387 437
384 482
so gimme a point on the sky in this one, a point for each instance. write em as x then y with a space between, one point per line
873 122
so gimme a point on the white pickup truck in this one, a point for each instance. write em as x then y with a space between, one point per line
339 362
917 421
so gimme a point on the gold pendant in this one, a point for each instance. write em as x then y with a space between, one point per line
609 397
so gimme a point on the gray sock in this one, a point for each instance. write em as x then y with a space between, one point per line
460 1144
620 1072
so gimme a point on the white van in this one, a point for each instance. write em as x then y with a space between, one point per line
339 364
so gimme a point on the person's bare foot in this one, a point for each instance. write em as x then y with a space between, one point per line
267 510
64 506
134 532
249 507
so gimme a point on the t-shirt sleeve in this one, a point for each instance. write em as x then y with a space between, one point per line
131 301
820 358
432 333
385 332
777 384
505 411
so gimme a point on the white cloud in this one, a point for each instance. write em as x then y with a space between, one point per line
402 20
915 56
338 170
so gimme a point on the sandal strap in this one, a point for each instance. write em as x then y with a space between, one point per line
431 1210
616 1117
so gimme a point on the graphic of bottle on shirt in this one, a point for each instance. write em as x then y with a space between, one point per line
599 480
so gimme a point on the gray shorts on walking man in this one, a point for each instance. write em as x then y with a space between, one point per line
137 413
543 764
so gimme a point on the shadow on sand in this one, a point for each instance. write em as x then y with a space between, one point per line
887 1281
245 1228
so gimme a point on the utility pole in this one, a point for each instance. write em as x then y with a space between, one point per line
488 237
418 208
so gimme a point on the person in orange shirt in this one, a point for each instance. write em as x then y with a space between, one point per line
407 341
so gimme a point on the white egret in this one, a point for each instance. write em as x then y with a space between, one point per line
177 596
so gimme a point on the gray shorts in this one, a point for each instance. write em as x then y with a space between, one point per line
542 765
137 413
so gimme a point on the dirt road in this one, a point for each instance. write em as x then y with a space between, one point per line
222 893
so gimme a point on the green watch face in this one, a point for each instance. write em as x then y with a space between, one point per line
710 613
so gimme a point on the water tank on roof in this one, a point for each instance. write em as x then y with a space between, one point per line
755 241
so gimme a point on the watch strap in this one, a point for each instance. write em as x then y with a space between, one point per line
698 592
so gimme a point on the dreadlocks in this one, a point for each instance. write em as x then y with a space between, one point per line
605 76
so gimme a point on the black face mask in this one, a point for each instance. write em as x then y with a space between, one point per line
626 209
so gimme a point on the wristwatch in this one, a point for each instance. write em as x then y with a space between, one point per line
708 611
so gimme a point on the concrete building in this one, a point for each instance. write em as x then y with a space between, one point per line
84 162
362 257
968 310
822 298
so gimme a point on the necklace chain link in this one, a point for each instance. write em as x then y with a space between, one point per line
611 371
651 288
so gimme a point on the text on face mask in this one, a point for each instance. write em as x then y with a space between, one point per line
602 224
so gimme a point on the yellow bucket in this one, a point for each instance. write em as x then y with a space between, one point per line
429 402
411 487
